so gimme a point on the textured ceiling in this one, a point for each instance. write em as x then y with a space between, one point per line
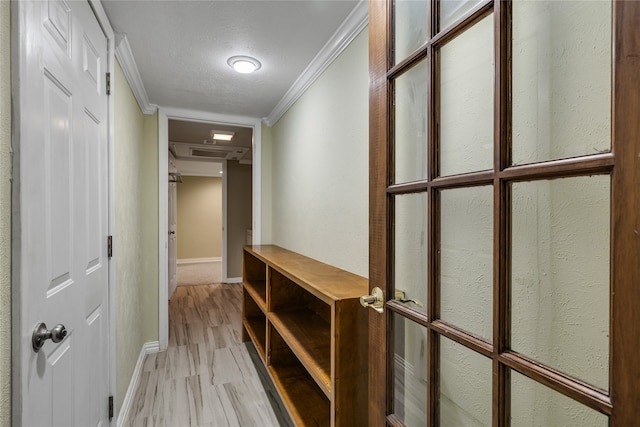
181 48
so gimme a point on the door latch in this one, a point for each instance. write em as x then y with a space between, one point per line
401 296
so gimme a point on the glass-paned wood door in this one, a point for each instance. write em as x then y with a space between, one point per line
505 212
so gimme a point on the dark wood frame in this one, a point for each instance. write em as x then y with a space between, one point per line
622 164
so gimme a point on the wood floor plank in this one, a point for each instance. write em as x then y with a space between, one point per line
206 378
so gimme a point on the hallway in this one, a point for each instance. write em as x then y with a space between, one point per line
207 376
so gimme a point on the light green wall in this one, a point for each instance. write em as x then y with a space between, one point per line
5 213
320 166
136 233
199 217
151 206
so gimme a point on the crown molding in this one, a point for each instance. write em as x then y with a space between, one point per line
130 69
348 30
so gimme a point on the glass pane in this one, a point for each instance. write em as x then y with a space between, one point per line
410 252
465 386
410 372
411 124
560 274
410 25
466 101
561 79
450 10
466 259
533 405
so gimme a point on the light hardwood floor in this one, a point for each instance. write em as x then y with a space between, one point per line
207 376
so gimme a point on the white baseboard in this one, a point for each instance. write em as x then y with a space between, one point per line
198 260
232 280
147 348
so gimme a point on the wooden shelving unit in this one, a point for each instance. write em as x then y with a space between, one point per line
305 320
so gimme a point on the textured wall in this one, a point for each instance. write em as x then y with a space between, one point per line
199 217
5 214
136 234
150 207
321 166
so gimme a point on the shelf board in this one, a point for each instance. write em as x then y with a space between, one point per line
258 292
309 337
307 405
254 325
326 282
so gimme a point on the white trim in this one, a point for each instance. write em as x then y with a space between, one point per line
204 116
130 69
103 20
233 280
163 148
256 187
348 30
186 261
225 256
147 348
163 230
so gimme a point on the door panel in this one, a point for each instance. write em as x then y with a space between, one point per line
58 111
410 375
465 259
560 274
465 97
410 250
410 104
561 79
452 10
411 19
533 404
465 386
511 214
94 208
58 365
63 205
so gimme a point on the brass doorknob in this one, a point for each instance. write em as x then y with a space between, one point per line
375 300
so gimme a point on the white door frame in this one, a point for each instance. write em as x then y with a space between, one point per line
164 114
16 312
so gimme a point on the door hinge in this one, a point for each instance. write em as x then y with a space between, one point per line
109 246
108 83
110 407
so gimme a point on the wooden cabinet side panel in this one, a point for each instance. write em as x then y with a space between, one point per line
350 376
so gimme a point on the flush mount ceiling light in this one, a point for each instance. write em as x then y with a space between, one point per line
244 64
220 135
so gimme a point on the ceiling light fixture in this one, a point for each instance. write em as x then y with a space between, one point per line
221 135
244 64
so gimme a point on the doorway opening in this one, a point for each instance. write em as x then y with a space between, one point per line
210 201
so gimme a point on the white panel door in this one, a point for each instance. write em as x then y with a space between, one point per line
63 213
